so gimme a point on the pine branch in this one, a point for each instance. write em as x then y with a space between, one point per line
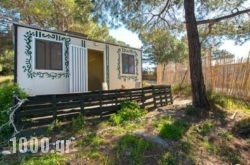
215 20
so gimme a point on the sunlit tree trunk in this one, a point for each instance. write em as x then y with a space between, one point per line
197 81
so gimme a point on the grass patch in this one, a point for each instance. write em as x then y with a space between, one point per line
47 159
163 120
205 128
168 159
194 111
174 130
91 140
185 147
242 128
208 146
78 123
228 102
170 128
228 154
130 149
6 80
54 127
225 135
129 111
182 89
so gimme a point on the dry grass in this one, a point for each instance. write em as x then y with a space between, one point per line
6 79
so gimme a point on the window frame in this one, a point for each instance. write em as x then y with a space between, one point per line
50 67
121 64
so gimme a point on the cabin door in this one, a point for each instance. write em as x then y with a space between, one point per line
95 69
78 69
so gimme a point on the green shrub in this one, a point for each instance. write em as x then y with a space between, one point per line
54 126
174 131
78 123
6 95
129 111
159 122
205 128
7 62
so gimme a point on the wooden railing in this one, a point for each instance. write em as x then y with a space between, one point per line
44 109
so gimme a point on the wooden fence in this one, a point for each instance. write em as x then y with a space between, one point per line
44 109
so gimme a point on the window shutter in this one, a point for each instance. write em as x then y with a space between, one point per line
56 56
40 54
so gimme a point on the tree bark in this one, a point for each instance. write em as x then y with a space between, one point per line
197 81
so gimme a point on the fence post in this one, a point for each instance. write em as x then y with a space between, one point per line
165 94
142 98
170 94
154 97
130 94
116 97
82 104
54 107
100 103
161 93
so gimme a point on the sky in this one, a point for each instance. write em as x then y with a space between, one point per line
133 40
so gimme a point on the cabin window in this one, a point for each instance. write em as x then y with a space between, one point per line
48 55
128 64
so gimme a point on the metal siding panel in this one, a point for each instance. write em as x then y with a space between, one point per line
78 69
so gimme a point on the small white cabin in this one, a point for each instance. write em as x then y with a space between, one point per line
50 62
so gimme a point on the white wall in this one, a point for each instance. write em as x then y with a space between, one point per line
116 81
46 85
38 85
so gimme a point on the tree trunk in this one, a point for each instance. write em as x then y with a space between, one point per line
197 81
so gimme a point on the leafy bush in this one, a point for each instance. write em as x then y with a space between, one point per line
174 131
7 62
6 95
129 111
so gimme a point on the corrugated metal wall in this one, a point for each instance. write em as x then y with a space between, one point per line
78 65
